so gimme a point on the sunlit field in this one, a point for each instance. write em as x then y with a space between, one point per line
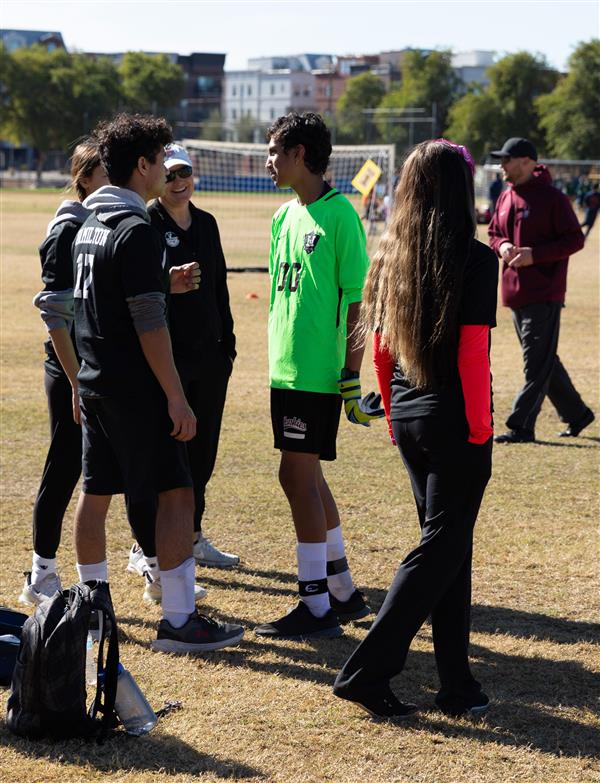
264 711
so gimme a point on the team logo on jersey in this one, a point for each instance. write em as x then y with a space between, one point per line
293 427
310 241
171 239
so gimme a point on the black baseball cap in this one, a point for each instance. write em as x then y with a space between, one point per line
516 148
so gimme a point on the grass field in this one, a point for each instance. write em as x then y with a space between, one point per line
264 711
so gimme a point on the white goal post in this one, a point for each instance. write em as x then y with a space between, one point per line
234 185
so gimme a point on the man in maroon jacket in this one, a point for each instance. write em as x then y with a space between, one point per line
534 231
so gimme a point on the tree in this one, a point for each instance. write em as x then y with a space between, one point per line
212 127
150 82
246 129
31 110
51 99
506 107
428 81
570 114
92 92
473 120
364 91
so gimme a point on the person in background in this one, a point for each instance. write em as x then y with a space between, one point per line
430 298
591 202
494 192
201 329
534 231
63 461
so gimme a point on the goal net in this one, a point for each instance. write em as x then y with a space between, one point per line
234 186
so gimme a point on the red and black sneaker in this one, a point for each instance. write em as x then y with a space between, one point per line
199 634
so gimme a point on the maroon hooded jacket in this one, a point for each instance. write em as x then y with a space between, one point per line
537 215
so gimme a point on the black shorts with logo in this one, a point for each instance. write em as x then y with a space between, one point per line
127 447
306 422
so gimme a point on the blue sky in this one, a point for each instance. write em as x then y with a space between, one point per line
249 29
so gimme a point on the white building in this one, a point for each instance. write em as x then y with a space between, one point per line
263 96
471 66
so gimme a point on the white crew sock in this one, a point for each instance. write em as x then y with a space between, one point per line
41 567
312 575
93 571
178 601
152 567
339 581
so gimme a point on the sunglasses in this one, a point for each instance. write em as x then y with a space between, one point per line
183 173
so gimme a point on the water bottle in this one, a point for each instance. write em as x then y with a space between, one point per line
90 663
136 715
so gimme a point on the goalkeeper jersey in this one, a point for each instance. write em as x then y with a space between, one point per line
318 262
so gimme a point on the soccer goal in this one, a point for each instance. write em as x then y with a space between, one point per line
234 186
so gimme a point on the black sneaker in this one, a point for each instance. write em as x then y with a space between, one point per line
199 634
575 428
353 609
475 705
301 623
379 703
516 436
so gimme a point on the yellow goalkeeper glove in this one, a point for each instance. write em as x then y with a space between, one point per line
359 410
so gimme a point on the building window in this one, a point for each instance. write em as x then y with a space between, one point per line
272 89
272 114
307 91
296 91
205 84
233 114
249 90
282 87
234 91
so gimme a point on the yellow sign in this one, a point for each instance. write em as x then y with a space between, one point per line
366 178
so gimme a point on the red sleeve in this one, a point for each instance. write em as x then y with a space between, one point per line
475 378
384 369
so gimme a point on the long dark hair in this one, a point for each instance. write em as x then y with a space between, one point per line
414 285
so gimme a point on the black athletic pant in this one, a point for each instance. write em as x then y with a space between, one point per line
448 477
537 326
61 474
205 387
62 468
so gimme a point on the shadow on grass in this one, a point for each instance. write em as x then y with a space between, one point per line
532 625
152 753
531 694
562 445
530 698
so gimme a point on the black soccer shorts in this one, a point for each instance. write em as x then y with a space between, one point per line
306 422
127 447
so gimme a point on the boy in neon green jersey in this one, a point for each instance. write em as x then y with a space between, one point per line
317 263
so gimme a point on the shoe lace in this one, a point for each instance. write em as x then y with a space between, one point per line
206 619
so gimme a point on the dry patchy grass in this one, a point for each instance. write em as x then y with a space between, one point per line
264 711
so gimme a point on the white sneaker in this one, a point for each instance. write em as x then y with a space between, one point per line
34 594
153 590
136 560
207 554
